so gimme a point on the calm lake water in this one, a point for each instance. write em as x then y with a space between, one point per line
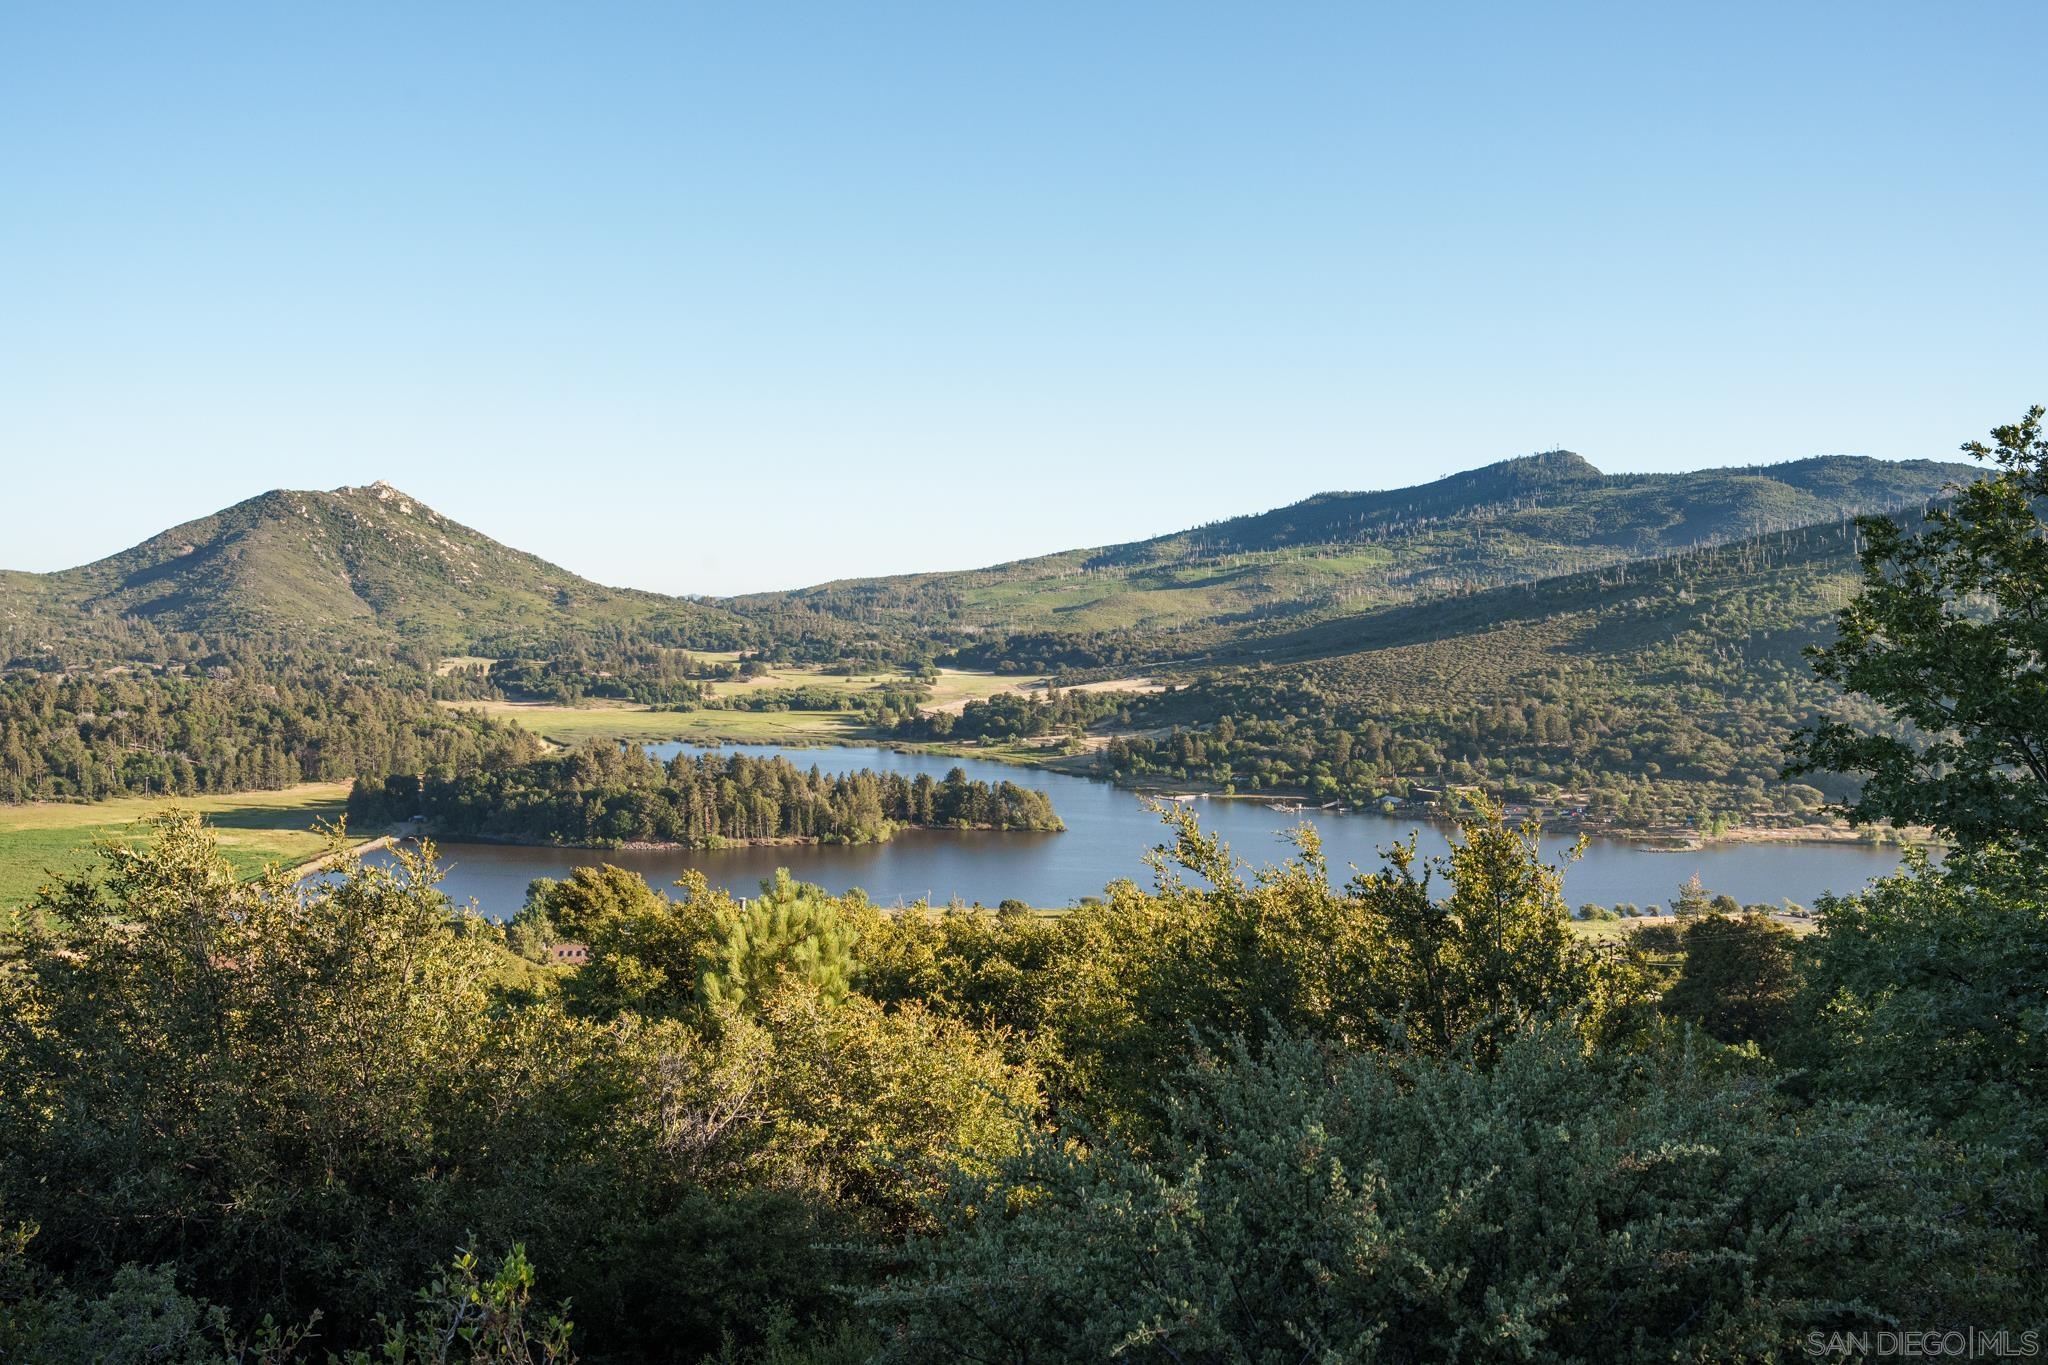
1108 832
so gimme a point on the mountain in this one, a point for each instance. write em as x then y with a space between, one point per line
372 563
351 562
1516 521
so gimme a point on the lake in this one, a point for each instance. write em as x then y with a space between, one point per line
1108 832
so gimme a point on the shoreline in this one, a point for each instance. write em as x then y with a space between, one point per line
1085 765
354 850
680 846
1651 839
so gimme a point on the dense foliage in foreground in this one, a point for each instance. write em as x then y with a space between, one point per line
604 794
1228 1117
1950 633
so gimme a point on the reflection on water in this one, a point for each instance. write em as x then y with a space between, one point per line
1108 833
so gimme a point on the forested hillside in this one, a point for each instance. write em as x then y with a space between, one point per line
181 715
1657 691
1519 520
1649 692
299 636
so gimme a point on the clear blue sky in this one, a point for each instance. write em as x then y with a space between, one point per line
710 298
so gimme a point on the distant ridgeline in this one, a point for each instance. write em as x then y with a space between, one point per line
1513 522
601 795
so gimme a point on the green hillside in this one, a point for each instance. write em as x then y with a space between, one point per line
1658 691
351 563
1516 521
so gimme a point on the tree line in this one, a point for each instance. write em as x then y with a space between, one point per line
253 723
603 794
1010 716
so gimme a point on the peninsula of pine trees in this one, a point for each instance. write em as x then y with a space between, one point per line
604 796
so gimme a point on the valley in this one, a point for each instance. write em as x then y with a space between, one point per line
1621 655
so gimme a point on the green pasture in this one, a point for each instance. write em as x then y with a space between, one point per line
44 840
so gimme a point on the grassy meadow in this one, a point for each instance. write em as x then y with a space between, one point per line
44 839
629 721
569 725
958 686
954 688
802 675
